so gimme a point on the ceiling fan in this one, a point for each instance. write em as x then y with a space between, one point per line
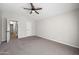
33 9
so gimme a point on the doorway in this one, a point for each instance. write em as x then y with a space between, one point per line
12 30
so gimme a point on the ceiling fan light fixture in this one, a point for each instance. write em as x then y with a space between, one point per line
33 11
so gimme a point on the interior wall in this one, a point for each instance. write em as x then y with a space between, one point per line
25 25
0 23
62 28
25 28
0 28
4 29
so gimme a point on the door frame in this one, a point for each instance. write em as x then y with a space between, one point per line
8 31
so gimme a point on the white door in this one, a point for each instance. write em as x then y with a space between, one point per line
8 31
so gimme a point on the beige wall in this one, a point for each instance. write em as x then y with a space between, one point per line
63 28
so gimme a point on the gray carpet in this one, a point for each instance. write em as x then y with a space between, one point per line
36 46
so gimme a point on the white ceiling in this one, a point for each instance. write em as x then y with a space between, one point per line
49 9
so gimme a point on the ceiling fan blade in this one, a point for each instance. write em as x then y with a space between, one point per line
36 11
38 8
31 12
33 9
32 5
27 8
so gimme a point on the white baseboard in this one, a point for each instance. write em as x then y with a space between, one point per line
60 42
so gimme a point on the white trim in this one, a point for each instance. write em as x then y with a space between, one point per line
60 42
